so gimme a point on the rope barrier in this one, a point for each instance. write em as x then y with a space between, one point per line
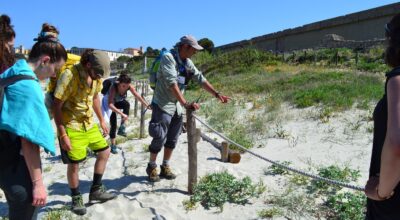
335 182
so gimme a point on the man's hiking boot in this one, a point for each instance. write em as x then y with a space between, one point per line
166 172
77 206
99 194
114 149
121 131
152 173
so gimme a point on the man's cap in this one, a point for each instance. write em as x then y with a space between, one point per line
190 40
101 63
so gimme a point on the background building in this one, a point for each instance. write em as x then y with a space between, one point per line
113 55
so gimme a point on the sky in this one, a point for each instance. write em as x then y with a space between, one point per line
118 24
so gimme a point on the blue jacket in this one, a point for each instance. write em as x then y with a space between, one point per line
24 112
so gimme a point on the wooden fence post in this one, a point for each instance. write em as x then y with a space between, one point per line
192 150
224 151
357 57
147 87
136 101
142 116
337 57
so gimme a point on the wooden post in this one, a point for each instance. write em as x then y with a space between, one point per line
315 57
233 156
198 135
192 150
337 57
224 151
147 88
142 117
357 57
136 101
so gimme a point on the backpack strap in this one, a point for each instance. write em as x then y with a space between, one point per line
4 82
394 72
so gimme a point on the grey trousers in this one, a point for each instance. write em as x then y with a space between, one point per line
164 128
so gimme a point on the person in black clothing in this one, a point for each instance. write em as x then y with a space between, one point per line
383 188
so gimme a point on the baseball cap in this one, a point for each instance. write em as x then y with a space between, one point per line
101 63
190 40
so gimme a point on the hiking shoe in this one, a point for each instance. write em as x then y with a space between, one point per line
152 173
121 131
114 149
166 172
100 194
77 205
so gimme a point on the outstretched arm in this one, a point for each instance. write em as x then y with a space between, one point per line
208 87
139 97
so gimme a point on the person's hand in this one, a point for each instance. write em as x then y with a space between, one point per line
149 107
371 189
194 106
124 117
39 193
65 143
222 98
104 127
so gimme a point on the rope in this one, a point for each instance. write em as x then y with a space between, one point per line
335 182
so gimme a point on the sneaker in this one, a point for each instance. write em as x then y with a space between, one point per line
100 194
77 205
152 173
121 131
114 149
166 172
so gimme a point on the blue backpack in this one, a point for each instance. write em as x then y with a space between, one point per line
154 69
156 65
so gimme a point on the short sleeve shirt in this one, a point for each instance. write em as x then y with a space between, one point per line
72 88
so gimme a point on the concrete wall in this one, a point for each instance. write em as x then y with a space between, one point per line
361 26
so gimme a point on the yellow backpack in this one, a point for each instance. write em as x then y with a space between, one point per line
72 59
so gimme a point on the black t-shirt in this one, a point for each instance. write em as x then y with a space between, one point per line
388 209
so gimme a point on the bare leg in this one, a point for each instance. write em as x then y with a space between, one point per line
73 175
101 161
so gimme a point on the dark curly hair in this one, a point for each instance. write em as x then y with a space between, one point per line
124 78
7 34
392 29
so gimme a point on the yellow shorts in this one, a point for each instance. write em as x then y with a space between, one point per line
80 140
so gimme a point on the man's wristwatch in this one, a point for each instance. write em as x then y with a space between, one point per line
216 94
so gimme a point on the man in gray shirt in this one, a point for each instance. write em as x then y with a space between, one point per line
175 71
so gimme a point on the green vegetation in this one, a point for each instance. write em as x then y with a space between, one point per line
213 190
278 170
269 213
336 173
61 214
305 198
207 44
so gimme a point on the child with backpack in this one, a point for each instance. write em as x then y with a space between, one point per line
24 129
115 100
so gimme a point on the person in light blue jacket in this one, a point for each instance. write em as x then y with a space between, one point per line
25 125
